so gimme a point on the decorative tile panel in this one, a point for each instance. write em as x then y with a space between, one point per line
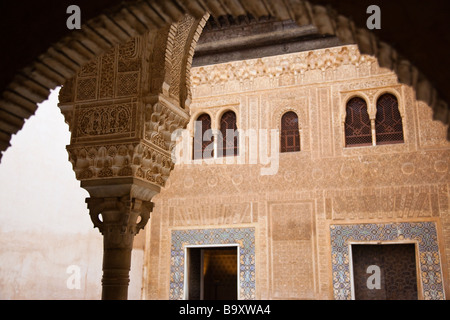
422 233
243 237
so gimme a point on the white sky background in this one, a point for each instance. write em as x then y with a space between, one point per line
44 220
38 189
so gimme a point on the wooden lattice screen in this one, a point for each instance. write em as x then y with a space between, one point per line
357 124
290 137
228 127
203 122
388 122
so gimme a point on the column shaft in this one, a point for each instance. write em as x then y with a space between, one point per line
119 224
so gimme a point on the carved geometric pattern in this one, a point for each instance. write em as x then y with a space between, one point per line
128 50
244 237
141 161
127 84
296 65
89 69
388 202
424 234
128 65
104 120
128 60
157 139
86 88
388 123
183 29
106 84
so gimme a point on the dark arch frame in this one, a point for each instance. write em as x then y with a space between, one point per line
289 133
358 131
199 145
228 125
388 121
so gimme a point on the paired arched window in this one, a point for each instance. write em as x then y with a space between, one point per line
358 129
227 141
289 137
230 135
388 122
357 124
202 137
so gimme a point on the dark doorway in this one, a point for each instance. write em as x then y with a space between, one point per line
212 273
384 272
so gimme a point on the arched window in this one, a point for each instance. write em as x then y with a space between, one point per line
290 137
201 141
388 122
230 136
358 131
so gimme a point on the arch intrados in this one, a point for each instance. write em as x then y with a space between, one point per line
222 112
287 113
195 116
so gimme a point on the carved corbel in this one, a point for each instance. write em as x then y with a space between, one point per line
141 209
119 215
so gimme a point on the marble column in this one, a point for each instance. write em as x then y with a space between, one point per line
119 214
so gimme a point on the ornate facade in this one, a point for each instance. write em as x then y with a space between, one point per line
31 83
128 88
294 229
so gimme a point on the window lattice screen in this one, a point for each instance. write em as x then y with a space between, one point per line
290 137
357 124
203 122
229 138
388 122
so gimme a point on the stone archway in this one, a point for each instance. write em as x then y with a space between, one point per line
124 161
63 59
122 108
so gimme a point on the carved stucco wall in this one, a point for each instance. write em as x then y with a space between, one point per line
324 185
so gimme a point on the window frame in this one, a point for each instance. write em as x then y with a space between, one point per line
366 122
204 144
222 147
284 148
395 109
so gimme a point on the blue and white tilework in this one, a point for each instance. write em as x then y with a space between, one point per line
243 237
424 234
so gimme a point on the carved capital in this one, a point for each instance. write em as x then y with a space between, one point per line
119 208
119 219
